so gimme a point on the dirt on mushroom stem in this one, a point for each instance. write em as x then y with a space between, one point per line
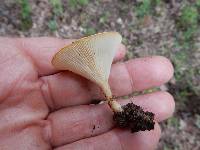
131 116
135 118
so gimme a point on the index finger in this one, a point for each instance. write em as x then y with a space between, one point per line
41 51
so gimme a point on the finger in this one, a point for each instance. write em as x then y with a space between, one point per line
68 89
160 103
118 140
120 53
41 51
72 124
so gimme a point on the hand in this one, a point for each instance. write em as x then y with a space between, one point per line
42 108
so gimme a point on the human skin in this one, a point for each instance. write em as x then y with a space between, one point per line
43 108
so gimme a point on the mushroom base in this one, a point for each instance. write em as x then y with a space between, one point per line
135 118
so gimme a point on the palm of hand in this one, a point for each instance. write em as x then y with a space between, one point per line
22 107
44 109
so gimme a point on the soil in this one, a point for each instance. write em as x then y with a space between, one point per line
135 118
154 34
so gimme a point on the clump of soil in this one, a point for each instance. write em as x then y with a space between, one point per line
135 118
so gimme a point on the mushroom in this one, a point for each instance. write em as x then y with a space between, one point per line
91 57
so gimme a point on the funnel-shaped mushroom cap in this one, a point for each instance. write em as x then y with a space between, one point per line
90 57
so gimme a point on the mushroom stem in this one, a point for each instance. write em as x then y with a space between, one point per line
114 105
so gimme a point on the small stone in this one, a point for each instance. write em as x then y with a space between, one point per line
156 29
119 21
182 124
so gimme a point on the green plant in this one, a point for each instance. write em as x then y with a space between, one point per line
197 3
57 7
90 31
84 19
166 147
189 17
187 25
104 17
83 2
185 75
143 8
25 14
185 71
146 7
76 3
171 147
179 60
174 122
52 24
156 2
57 11
188 34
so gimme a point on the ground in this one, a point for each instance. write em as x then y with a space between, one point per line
149 27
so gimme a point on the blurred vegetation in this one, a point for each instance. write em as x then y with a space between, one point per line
173 121
76 3
57 7
104 17
26 21
188 27
146 7
186 24
169 148
52 24
89 31
57 10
